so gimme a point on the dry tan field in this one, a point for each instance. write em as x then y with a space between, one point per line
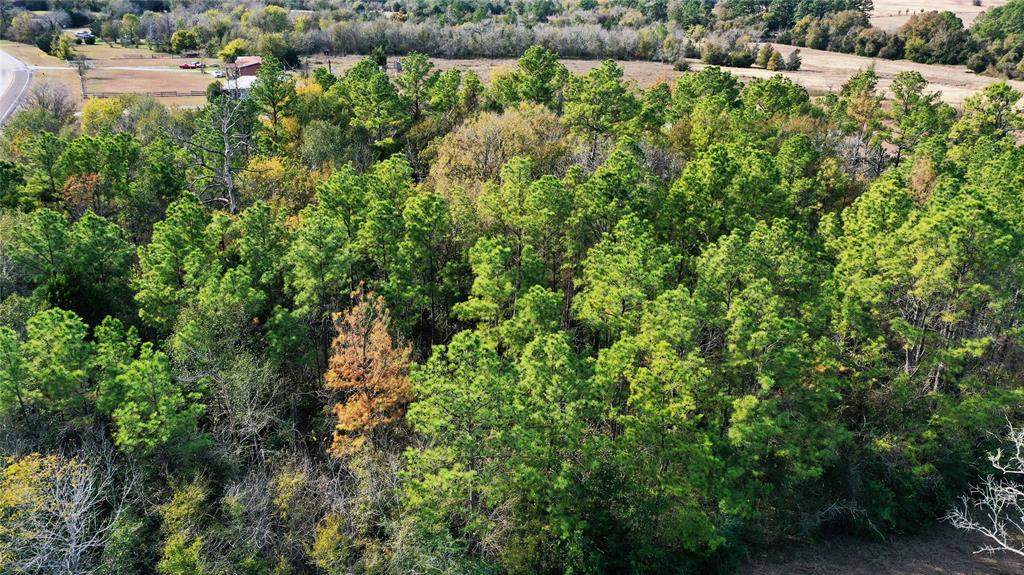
824 71
116 69
891 14
821 72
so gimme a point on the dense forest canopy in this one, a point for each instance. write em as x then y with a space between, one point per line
555 324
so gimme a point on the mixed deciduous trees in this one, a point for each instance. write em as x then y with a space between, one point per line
59 513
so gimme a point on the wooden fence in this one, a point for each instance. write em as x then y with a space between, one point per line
182 56
166 94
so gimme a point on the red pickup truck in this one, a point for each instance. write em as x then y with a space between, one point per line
192 65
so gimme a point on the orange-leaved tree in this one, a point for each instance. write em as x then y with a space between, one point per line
369 369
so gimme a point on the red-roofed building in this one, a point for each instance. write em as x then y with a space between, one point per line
245 66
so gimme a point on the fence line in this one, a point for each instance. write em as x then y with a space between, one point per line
165 94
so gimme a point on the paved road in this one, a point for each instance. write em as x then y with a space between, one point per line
14 80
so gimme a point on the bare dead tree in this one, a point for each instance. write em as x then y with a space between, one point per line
54 98
837 510
247 403
220 148
995 508
255 492
77 507
279 505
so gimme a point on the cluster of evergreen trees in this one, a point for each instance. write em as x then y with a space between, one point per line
555 324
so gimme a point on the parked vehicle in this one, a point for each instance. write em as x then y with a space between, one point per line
192 65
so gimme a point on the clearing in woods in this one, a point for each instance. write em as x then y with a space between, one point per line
121 70
821 71
891 14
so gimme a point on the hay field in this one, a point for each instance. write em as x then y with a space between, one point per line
891 14
117 69
821 72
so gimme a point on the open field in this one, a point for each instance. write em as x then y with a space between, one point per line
116 69
821 72
30 54
891 14
115 55
120 80
824 71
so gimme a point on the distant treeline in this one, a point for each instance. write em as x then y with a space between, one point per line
661 30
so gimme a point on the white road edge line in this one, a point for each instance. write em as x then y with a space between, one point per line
17 99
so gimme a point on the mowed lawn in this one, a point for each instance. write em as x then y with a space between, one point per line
891 14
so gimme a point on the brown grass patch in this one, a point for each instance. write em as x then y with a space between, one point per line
67 78
102 55
145 81
891 14
30 54
821 71
105 75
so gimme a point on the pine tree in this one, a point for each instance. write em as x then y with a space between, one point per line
273 91
162 282
599 105
415 81
13 374
370 370
152 410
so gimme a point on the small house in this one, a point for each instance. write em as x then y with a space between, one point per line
239 86
245 66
